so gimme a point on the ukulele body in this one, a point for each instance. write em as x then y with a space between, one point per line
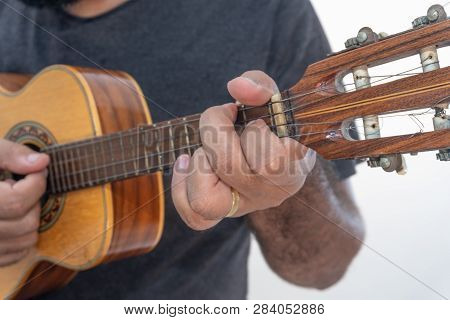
84 228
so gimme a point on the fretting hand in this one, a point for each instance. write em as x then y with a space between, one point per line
232 175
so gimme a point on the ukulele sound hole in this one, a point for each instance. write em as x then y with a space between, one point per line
16 177
35 136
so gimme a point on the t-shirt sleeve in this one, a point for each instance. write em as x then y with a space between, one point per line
297 41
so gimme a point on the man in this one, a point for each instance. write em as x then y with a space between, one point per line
183 53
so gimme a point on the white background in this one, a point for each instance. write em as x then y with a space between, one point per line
407 217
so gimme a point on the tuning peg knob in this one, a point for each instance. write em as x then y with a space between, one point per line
365 36
395 162
435 13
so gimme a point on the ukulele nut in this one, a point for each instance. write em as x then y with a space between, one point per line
278 116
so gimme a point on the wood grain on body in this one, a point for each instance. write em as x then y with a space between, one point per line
97 224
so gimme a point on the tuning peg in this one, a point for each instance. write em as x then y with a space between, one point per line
430 62
441 121
393 163
388 163
364 37
435 13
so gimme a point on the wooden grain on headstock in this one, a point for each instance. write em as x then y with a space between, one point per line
324 111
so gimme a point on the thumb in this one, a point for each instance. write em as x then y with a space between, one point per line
252 88
21 159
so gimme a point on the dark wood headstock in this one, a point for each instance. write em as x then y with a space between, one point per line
324 110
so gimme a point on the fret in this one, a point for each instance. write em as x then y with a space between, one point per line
87 170
171 143
119 156
186 133
83 182
158 149
60 163
122 150
136 162
66 167
73 168
95 167
52 172
130 163
159 156
100 160
101 148
146 155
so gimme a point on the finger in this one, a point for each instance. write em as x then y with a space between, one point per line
267 155
300 154
12 258
19 243
261 147
208 196
18 198
19 227
180 198
222 146
252 88
21 159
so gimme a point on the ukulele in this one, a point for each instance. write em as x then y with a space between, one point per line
106 156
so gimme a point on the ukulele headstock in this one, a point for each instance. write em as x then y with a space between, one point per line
328 111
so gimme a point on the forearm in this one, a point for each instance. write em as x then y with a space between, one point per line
313 236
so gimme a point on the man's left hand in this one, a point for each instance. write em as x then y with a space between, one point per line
262 168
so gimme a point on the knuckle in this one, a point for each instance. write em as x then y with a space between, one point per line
205 117
193 222
30 223
208 114
9 259
248 179
200 205
14 207
223 164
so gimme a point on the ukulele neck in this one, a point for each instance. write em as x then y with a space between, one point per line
147 148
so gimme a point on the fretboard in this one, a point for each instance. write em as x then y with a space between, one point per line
135 152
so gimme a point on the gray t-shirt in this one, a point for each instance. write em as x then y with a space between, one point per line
182 53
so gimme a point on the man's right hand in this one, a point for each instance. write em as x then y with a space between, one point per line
19 200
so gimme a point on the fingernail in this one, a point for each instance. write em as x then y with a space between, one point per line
183 162
260 123
251 81
33 157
